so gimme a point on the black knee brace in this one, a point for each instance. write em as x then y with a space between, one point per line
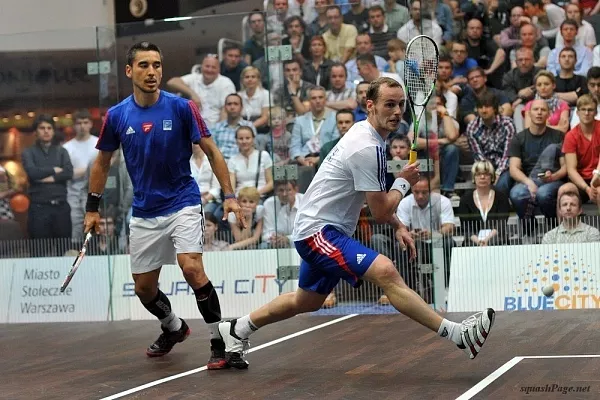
208 303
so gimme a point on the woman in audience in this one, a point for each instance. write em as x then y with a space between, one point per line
211 226
279 143
255 99
483 212
250 167
316 70
545 84
249 237
210 189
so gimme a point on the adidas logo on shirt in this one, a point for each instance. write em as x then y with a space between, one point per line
129 131
360 257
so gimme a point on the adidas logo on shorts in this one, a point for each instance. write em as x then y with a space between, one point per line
360 257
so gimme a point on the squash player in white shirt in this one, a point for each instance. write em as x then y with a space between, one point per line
353 171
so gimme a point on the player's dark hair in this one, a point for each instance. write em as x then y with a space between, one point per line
141 46
43 118
345 111
373 91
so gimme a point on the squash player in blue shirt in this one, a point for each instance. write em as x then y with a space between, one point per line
156 130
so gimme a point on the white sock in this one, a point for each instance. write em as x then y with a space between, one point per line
213 330
450 330
171 322
244 327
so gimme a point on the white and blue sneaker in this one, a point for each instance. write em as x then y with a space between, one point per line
475 330
235 347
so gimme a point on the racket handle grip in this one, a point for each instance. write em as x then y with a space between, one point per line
412 157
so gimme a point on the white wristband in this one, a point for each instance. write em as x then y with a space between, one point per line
401 185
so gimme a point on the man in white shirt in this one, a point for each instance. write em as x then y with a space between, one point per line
282 237
352 173
272 205
208 89
82 151
413 27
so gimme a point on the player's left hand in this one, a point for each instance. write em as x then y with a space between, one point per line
231 205
406 242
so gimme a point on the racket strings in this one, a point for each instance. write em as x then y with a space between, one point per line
420 71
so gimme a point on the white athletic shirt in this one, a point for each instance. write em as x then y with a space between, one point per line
357 164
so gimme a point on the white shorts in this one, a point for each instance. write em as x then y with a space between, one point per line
154 242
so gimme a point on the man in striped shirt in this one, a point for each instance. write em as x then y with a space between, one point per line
489 136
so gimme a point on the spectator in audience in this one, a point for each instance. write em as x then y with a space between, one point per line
344 120
106 241
588 7
340 38
582 147
486 52
558 118
357 16
280 138
210 189
396 52
312 130
593 88
320 24
224 132
586 36
568 85
249 237
571 229
379 32
82 153
48 168
477 88
518 85
207 89
510 37
396 14
255 100
584 55
250 167
232 64
367 68
451 87
340 96
537 166
282 238
6 192
211 227
530 39
254 48
360 112
412 28
483 212
271 207
295 91
461 63
364 46
426 214
442 14
317 70
303 8
297 38
275 23
272 71
489 136
546 16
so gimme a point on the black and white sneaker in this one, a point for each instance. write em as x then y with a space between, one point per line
475 331
235 347
165 342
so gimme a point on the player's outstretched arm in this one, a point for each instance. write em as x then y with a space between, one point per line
98 176
219 167
383 205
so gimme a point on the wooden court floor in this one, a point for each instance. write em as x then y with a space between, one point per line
362 357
